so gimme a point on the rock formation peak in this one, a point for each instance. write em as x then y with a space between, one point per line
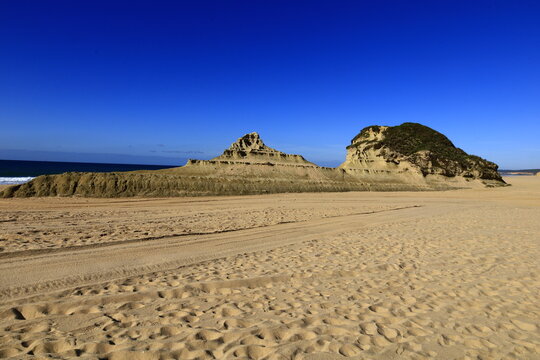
248 143
251 148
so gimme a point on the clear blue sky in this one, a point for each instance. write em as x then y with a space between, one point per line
160 81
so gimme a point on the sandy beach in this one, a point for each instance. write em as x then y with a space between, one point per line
363 275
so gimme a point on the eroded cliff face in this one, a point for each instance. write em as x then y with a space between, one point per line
408 157
415 151
248 166
250 149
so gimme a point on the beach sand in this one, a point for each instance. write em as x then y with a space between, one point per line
397 275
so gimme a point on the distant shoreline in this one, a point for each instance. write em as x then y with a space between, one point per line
28 168
530 172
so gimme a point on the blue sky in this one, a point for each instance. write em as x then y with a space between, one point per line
160 81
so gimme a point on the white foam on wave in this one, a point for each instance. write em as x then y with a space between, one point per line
15 180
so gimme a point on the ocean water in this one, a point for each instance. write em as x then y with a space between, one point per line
18 172
14 180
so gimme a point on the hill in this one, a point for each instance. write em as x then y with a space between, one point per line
412 147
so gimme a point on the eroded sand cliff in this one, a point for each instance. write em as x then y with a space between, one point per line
375 162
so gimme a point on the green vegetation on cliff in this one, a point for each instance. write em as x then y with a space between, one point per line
411 139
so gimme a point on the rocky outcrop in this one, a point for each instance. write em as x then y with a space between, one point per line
415 150
406 157
251 149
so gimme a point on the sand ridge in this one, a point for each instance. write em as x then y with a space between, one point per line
450 275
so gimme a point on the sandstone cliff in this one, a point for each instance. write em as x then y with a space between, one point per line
250 149
415 151
406 157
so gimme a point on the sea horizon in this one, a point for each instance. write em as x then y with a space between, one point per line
14 172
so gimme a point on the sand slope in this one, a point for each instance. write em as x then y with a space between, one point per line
447 275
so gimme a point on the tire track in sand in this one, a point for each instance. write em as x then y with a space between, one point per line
38 273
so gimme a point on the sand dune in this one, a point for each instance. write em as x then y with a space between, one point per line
442 275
